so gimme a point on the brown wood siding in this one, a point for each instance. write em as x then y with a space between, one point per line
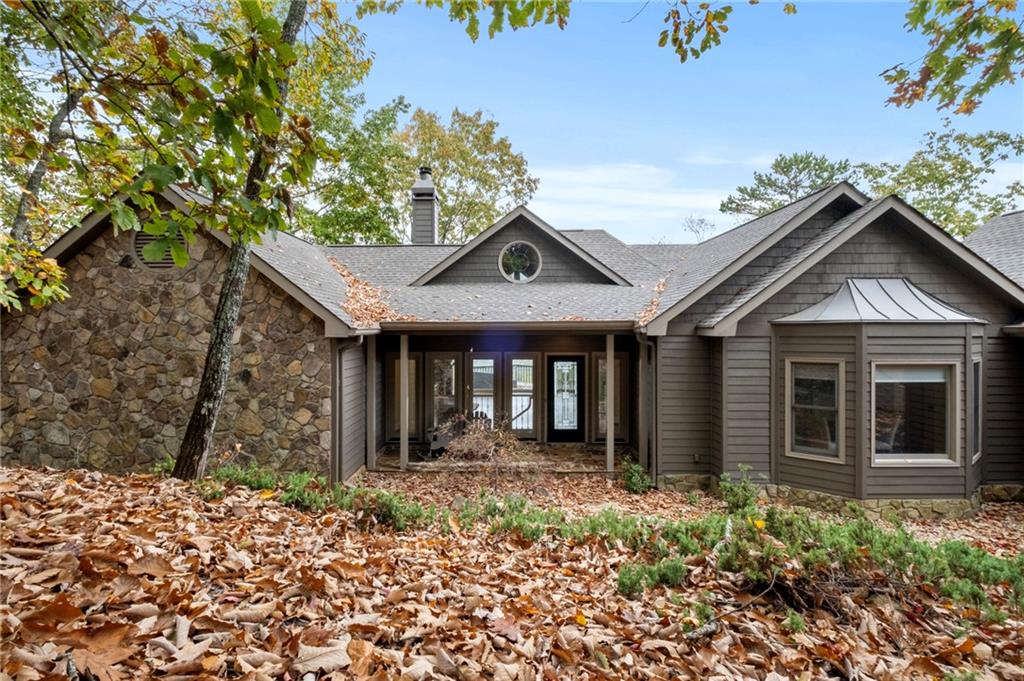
747 408
1002 444
716 406
353 410
928 482
795 343
558 263
888 249
684 405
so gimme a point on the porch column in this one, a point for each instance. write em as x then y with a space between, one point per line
371 402
609 401
403 401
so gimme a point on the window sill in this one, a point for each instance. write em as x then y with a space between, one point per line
841 459
934 462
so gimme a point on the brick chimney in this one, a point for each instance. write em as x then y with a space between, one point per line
424 209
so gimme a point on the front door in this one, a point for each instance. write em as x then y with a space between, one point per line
565 399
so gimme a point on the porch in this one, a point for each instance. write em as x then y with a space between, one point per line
549 389
557 458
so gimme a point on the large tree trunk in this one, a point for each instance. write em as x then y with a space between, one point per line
30 194
195 446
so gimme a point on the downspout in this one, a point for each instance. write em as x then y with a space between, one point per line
652 449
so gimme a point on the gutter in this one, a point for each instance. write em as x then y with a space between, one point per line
597 326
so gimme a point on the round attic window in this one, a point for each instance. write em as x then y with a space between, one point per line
519 262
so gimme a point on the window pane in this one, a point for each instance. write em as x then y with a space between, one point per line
443 382
523 403
815 384
815 395
483 389
566 385
911 413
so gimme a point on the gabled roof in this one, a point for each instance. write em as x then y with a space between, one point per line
1001 242
878 301
711 262
723 321
296 266
550 231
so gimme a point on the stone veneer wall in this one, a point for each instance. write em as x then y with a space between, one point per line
107 378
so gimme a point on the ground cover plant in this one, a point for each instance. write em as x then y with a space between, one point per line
122 577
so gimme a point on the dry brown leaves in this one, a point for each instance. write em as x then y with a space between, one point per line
364 302
132 577
997 528
649 311
575 493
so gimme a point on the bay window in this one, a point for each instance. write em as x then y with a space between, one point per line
913 419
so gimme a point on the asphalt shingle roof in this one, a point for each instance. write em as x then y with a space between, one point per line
304 265
706 259
666 256
1000 241
795 258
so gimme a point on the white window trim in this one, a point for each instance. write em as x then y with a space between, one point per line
976 425
501 256
840 410
936 460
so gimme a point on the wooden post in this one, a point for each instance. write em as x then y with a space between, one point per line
371 403
609 400
403 402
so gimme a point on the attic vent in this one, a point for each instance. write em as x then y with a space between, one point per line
142 240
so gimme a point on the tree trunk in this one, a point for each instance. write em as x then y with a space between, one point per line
30 194
195 445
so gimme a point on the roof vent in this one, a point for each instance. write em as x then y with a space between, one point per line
424 209
141 240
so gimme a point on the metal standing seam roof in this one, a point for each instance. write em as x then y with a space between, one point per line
1000 241
878 300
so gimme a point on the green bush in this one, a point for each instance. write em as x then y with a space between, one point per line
738 496
635 479
164 467
305 491
251 476
794 622
634 577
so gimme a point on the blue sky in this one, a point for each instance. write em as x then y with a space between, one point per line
625 138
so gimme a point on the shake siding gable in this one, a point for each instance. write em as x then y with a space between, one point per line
558 263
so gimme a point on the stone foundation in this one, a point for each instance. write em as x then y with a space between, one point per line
1002 493
107 378
876 509
687 482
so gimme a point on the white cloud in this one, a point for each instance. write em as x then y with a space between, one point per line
636 202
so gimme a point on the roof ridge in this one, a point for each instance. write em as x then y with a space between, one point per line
774 210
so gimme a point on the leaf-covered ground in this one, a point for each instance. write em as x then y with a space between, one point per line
109 577
997 527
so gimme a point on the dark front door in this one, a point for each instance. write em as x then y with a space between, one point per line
565 399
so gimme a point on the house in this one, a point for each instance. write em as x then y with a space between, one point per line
1001 242
840 347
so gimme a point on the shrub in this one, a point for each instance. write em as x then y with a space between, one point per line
634 577
635 479
251 476
737 495
164 467
794 622
209 489
305 491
